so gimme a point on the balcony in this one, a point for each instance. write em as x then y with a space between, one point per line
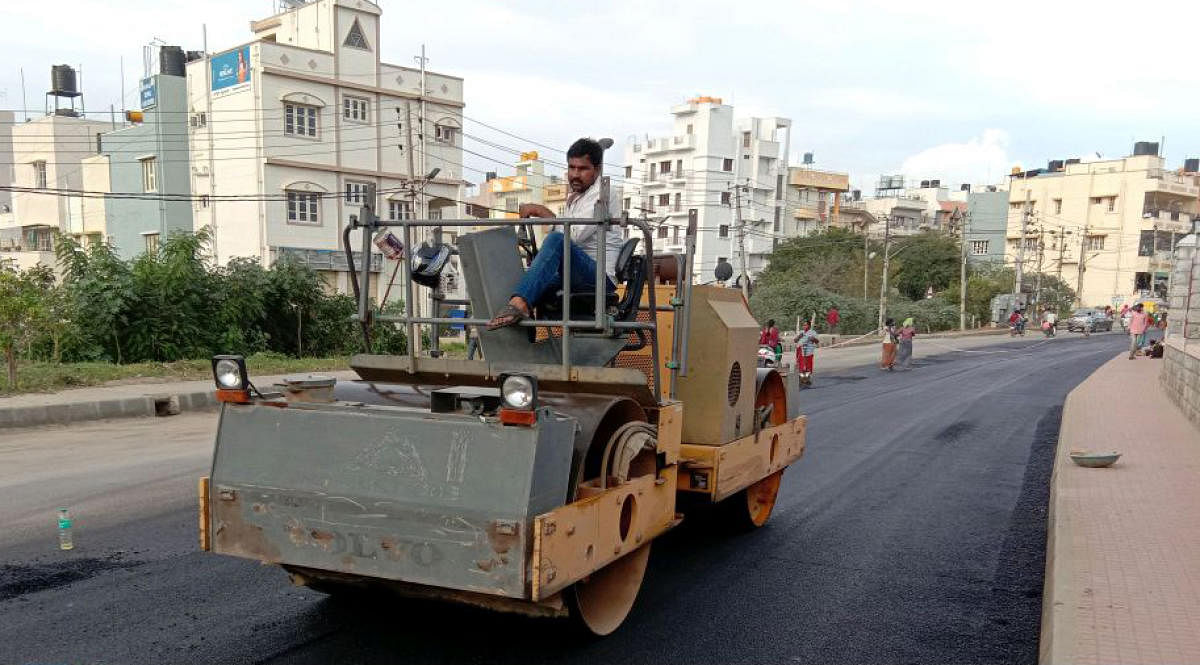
1166 182
768 149
669 143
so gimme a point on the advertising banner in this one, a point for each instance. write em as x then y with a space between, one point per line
149 94
231 68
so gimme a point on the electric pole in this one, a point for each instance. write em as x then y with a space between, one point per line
1021 246
1082 266
741 233
962 273
887 239
866 254
1037 285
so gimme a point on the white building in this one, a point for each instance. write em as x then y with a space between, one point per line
697 166
48 154
298 122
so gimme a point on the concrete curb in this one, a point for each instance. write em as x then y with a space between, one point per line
126 407
1058 573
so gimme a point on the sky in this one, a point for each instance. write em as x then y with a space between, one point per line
959 91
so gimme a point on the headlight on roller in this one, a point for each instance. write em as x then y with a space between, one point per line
229 372
519 391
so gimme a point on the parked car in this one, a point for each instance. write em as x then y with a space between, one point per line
1080 318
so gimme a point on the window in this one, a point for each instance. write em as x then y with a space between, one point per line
675 235
678 202
724 198
151 243
444 133
300 120
356 192
653 171
727 165
679 168
689 129
302 208
355 109
979 247
1112 204
625 203
745 139
649 204
398 210
1058 206
664 199
746 156
148 175
779 187
204 201
628 171
1093 243
723 231
39 175
664 167
663 231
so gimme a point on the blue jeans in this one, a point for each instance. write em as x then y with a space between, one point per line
545 273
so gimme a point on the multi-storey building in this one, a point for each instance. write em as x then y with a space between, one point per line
813 200
728 171
150 157
48 155
290 130
986 226
1115 222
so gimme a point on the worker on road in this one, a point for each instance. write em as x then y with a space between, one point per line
769 337
1139 321
585 162
806 347
907 332
891 337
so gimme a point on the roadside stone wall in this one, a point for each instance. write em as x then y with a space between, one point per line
1181 356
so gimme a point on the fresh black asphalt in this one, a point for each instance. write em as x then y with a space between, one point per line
913 531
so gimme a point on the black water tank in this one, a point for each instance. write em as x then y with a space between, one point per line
62 81
1145 148
192 56
1055 165
924 184
1191 165
171 61
935 183
1073 160
964 187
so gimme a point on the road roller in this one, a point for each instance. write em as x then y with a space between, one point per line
533 480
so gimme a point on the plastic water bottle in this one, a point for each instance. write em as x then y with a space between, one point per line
64 530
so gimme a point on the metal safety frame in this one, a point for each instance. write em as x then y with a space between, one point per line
370 223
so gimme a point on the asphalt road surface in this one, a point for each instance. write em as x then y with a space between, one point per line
913 531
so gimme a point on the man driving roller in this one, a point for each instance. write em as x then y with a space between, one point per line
585 161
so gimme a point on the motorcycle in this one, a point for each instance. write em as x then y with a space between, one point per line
1017 328
766 356
1048 329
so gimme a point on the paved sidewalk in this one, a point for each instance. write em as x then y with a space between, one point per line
119 401
1123 559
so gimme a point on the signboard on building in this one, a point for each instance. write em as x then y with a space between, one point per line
149 94
231 68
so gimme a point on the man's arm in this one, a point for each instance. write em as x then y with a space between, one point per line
534 210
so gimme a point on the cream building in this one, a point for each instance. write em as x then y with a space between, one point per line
48 153
288 131
1121 216
813 200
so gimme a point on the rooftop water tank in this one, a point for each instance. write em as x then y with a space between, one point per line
1145 148
171 61
1191 165
62 81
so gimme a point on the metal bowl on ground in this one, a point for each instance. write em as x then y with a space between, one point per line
1094 460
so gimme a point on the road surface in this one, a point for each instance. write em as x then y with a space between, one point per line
912 531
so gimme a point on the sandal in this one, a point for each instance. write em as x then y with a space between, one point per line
509 315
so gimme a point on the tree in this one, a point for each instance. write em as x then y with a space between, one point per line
926 260
22 313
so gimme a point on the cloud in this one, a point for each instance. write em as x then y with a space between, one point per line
980 159
873 101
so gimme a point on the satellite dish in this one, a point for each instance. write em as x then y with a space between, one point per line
724 271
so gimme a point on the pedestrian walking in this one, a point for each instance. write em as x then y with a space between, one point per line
769 337
907 332
473 343
832 319
891 337
806 347
1139 321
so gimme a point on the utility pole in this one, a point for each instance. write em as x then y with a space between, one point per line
1082 266
883 285
962 273
741 231
866 254
1037 285
1021 245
